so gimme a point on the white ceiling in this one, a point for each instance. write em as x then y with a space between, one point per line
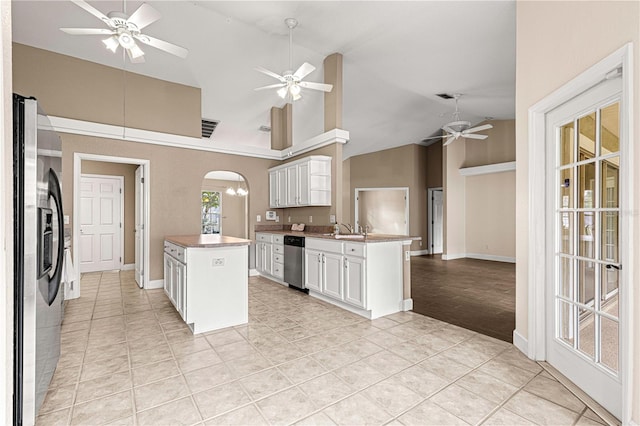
397 56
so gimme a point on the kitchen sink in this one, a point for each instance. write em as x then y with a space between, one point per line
349 236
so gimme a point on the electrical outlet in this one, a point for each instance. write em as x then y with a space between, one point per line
277 219
258 218
310 219
289 219
332 218
218 261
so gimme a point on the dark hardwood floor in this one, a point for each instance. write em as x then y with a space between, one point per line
475 294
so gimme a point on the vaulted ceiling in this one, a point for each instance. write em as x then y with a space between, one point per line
397 56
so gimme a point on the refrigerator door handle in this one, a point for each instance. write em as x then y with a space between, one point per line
54 192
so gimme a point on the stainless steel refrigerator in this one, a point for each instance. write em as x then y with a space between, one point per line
38 256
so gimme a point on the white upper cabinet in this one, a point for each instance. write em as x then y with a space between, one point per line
305 182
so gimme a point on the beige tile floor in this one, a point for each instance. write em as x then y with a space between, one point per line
127 358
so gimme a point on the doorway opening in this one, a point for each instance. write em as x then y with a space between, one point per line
140 199
435 220
225 204
382 210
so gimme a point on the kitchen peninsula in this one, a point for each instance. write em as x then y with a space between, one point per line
206 279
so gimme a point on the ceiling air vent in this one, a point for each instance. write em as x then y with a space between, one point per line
444 95
208 127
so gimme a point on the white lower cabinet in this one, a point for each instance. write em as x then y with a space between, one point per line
366 278
209 289
270 254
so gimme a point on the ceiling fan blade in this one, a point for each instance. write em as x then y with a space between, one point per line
271 86
436 137
144 16
95 12
449 130
163 45
479 128
304 70
87 31
136 55
270 73
474 136
448 141
316 86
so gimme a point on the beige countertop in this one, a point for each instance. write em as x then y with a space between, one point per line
207 241
371 238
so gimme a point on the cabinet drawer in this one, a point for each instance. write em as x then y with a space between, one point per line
181 253
354 249
265 238
278 270
278 239
278 258
278 249
321 244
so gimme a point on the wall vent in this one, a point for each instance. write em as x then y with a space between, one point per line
264 128
444 95
208 127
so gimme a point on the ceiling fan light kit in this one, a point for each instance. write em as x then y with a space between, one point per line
291 83
459 128
125 30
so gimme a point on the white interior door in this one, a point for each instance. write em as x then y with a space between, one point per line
436 221
139 227
100 223
584 206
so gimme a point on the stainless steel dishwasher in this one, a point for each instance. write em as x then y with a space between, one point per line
294 262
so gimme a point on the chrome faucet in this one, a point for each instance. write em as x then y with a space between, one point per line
366 231
348 227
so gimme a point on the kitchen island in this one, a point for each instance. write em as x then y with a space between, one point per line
206 279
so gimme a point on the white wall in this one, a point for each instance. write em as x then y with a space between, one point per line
556 41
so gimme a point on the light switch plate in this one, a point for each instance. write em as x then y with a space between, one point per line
332 218
258 218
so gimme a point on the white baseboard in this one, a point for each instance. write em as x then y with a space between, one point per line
155 284
520 342
128 267
453 256
493 257
253 272
419 252
407 305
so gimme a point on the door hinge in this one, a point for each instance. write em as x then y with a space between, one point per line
121 190
120 259
120 225
142 180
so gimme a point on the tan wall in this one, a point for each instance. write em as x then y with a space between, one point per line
128 171
397 167
499 147
176 177
491 215
234 214
550 52
73 88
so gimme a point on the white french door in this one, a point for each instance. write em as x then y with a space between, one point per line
584 209
139 226
100 223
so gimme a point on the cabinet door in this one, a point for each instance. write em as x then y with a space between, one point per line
268 258
332 275
181 285
282 188
260 257
313 270
168 275
354 281
303 184
175 283
273 189
292 186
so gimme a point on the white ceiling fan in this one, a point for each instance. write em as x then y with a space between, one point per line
459 128
125 30
291 83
